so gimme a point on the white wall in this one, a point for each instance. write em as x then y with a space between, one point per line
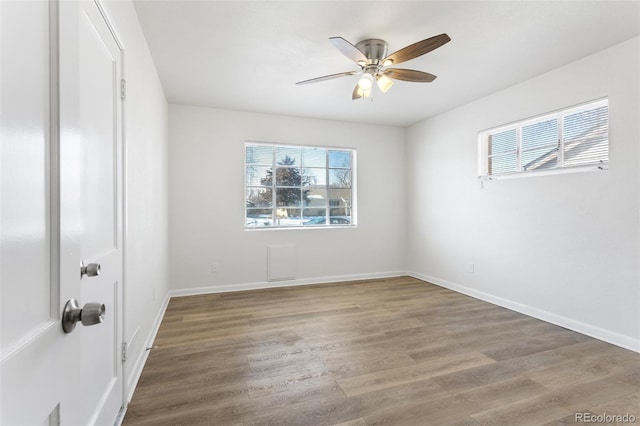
207 201
565 247
146 272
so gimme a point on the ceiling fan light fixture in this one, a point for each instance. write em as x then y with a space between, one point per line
384 83
363 93
387 62
366 82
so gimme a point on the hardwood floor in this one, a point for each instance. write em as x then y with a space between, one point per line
395 351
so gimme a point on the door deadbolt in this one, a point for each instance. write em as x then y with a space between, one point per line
90 270
90 314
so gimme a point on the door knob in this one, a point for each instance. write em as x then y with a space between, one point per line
90 314
90 270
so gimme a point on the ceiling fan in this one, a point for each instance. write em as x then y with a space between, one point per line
371 56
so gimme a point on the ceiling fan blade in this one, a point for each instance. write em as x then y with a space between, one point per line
327 77
348 49
417 49
409 75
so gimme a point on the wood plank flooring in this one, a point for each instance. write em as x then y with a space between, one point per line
395 351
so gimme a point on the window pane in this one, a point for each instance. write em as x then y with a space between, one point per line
314 157
503 142
259 218
315 221
540 159
310 219
340 202
505 163
259 154
259 197
540 145
288 197
314 218
288 217
288 176
315 197
340 178
314 176
258 175
585 124
339 159
502 152
338 219
288 155
586 137
587 152
537 135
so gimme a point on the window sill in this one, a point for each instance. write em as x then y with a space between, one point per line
560 171
298 228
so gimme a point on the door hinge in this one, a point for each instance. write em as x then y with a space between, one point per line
123 89
125 349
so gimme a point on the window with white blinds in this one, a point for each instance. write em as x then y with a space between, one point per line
577 137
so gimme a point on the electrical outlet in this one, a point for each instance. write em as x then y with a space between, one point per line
471 268
214 267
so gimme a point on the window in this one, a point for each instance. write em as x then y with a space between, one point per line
298 186
572 139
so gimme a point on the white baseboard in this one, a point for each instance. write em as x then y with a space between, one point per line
608 336
284 283
136 370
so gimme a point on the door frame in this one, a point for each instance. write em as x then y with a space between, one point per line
96 11
120 320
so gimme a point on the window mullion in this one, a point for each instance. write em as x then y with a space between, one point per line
274 206
302 203
560 141
519 148
326 188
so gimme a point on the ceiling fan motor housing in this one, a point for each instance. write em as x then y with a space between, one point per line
374 49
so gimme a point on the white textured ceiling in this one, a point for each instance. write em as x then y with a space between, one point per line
248 55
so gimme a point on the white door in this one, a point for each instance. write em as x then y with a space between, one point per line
61 205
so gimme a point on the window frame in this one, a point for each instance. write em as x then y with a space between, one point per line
326 187
559 116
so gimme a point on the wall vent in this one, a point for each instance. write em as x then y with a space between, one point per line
281 261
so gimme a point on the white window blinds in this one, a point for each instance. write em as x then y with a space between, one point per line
586 136
577 136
